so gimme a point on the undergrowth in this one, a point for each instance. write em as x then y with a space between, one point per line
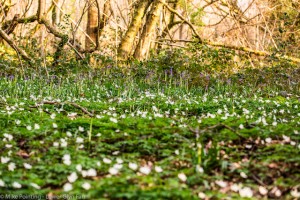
161 129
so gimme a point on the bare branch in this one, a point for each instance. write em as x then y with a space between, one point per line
11 43
184 20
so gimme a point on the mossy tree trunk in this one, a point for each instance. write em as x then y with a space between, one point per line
127 42
149 30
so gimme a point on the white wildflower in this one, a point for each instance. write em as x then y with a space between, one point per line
52 116
182 177
295 193
276 191
54 125
154 108
69 134
114 120
286 138
79 167
27 166
106 160
91 172
11 166
55 144
67 159
118 166
246 192
235 187
72 177
36 126
72 116
63 143
86 186
113 171
98 163
36 186
16 185
145 170
201 195
268 140
5 160
158 169
80 128
199 169
133 166
262 190
2 184
8 136
243 175
221 183
68 187
79 140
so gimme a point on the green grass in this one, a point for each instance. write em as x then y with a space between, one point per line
221 136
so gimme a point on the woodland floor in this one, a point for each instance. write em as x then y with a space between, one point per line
127 138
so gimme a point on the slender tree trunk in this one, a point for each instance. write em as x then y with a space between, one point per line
149 30
41 9
104 16
127 42
92 25
56 12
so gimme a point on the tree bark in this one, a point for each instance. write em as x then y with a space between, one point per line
41 9
92 25
149 30
11 43
56 13
104 17
127 42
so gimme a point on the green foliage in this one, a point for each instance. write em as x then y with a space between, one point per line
285 21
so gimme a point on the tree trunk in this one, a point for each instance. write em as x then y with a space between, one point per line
149 30
104 16
127 41
41 9
92 25
56 13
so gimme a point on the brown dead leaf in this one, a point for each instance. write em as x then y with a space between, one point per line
23 154
273 166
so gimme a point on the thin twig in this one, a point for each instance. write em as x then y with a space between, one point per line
216 126
84 110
